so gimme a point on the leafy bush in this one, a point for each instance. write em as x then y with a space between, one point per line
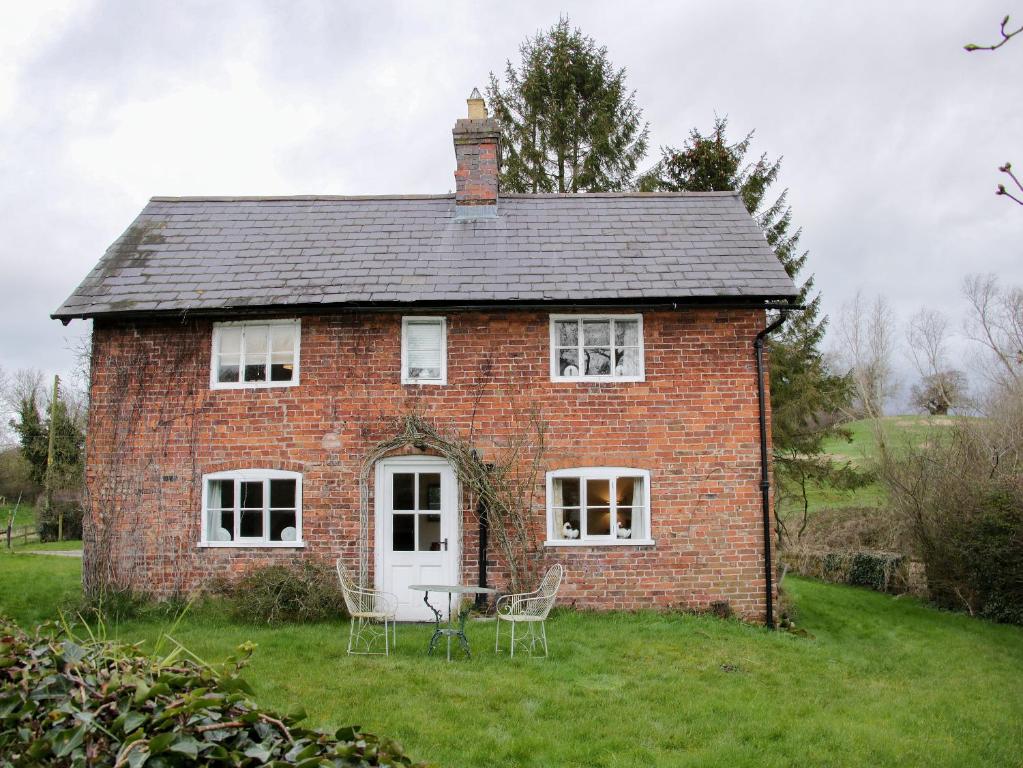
69 701
961 501
47 522
306 591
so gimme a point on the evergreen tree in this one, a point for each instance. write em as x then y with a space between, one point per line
34 435
569 122
805 394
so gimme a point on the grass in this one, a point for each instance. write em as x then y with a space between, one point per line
862 451
881 681
26 515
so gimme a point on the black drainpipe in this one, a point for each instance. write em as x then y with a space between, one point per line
765 481
484 518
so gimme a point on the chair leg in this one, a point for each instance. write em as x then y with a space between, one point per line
387 639
513 639
394 632
351 633
543 636
497 636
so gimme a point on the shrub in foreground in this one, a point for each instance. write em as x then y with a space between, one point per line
69 701
961 501
275 594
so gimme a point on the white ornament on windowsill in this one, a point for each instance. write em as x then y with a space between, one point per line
569 532
624 533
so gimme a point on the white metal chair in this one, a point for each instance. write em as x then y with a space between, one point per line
368 608
531 609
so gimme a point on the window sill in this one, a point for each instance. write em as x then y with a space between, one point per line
251 544
226 385
597 379
597 543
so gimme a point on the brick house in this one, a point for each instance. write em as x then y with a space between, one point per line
250 355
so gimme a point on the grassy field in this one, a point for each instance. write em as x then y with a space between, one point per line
880 681
861 452
26 514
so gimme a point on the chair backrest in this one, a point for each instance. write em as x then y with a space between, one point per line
546 593
357 600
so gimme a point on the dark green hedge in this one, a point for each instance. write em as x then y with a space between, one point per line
882 571
69 701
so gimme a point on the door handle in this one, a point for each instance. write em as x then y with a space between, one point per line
444 543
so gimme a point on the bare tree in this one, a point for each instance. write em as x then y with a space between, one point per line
867 338
996 323
941 386
1006 35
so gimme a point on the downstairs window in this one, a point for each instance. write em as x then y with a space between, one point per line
598 505
252 507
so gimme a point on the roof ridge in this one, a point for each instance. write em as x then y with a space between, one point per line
448 196
297 198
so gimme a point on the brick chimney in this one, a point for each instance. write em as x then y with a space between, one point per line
477 160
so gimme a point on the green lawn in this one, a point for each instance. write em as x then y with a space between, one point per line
881 681
26 515
861 452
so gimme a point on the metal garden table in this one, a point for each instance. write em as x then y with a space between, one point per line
450 630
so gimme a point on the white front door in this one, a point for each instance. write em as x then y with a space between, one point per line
417 531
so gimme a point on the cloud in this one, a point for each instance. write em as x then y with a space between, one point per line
891 133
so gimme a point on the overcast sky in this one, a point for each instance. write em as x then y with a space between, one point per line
891 133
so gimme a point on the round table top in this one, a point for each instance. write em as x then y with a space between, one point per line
455 589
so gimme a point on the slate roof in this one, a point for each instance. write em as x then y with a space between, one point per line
216 254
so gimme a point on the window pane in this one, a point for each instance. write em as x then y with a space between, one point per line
429 490
252 494
597 333
282 493
598 521
283 526
598 493
626 333
221 494
255 352
221 525
282 353
423 350
251 524
227 370
629 491
403 533
568 362
598 362
627 362
230 340
566 492
625 527
404 491
567 333
566 524
429 533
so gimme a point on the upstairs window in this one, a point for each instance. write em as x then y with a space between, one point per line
252 507
255 354
597 347
598 505
424 350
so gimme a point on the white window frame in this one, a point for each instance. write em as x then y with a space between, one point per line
241 384
555 373
240 475
598 473
443 322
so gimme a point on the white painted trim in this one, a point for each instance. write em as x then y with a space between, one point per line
598 543
443 321
215 354
598 473
252 474
555 376
413 464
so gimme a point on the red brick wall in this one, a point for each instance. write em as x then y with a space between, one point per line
156 427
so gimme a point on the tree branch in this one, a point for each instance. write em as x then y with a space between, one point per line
1006 37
